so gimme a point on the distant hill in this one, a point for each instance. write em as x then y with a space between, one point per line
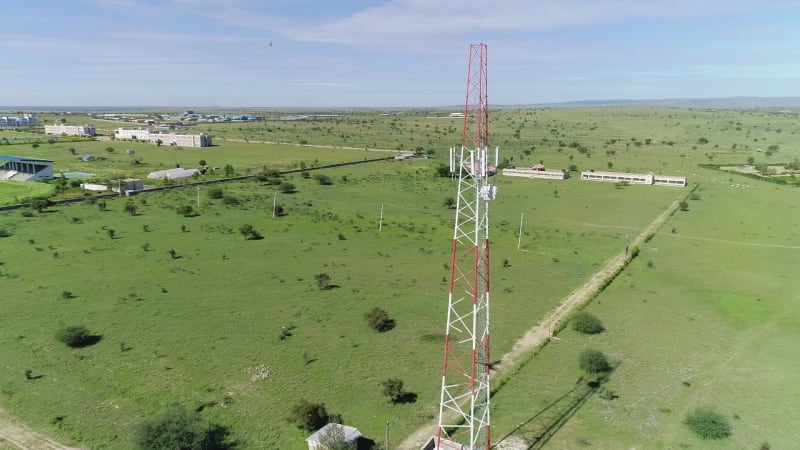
714 102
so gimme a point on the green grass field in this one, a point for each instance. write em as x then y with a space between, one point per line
195 329
12 193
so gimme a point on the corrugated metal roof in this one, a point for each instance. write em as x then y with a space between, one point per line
23 159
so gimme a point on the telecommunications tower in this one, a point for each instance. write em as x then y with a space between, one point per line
464 406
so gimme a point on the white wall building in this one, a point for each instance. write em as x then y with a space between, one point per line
71 130
634 178
19 121
172 174
536 173
181 140
177 140
128 134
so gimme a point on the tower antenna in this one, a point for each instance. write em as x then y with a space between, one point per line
464 406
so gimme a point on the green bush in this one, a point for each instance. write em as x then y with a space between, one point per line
309 416
181 429
215 193
594 361
323 179
286 187
708 424
75 336
587 323
379 320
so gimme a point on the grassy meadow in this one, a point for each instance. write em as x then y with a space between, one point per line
692 328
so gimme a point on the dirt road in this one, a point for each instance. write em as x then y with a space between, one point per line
541 332
14 436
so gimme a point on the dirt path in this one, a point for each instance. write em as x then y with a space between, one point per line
541 332
14 436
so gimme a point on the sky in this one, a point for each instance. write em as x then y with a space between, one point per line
392 53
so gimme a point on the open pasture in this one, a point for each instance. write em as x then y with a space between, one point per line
706 316
197 327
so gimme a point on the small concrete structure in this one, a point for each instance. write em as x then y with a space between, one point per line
173 174
350 434
128 186
94 187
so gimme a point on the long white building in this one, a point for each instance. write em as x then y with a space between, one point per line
71 130
177 140
19 121
533 172
634 178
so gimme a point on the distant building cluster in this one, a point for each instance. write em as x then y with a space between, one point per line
191 116
70 130
19 121
177 140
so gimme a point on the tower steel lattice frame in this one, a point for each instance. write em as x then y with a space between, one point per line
464 419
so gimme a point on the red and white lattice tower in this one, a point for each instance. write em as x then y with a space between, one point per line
464 406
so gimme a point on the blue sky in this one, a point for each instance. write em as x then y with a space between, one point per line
392 53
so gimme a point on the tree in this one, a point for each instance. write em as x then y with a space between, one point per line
130 208
40 204
751 160
215 193
228 170
323 179
202 163
587 323
185 210
111 233
334 439
442 170
249 232
159 142
35 145
286 187
379 320
683 205
110 149
393 388
76 336
708 424
181 429
173 254
309 416
323 281
449 203
594 361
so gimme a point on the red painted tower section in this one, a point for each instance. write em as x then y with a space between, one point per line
464 406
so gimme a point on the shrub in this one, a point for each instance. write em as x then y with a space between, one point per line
708 424
323 179
323 281
393 388
4 232
379 320
230 200
215 193
185 210
180 429
75 336
286 187
309 416
594 361
587 323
